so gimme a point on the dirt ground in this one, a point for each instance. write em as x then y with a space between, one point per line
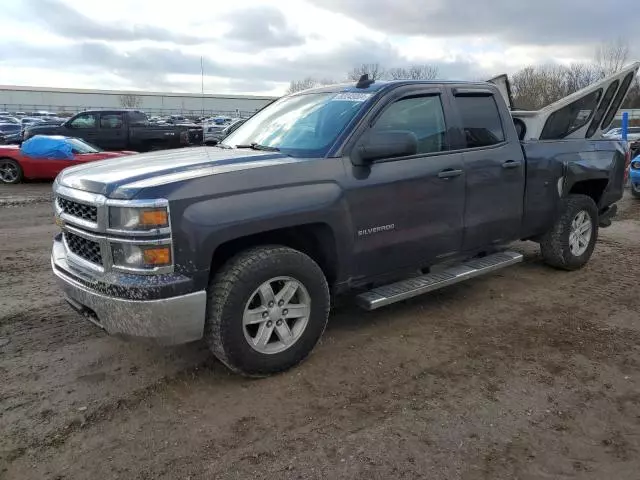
529 373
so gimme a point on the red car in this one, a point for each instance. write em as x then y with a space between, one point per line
15 166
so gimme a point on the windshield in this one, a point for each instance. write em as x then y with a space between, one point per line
9 127
303 125
80 146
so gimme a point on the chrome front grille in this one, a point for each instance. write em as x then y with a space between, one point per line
83 248
89 239
78 210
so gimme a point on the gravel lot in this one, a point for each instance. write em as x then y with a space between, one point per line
528 373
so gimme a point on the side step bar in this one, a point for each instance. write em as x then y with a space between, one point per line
396 292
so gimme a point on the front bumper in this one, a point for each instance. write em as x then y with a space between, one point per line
168 321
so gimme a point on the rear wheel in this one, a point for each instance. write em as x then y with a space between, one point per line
10 171
570 242
266 310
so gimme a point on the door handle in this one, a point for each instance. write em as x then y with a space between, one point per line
449 173
510 164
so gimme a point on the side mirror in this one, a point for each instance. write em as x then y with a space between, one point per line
390 144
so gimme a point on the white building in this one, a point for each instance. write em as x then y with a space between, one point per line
71 100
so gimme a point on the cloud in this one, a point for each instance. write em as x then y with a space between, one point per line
544 22
66 22
145 63
260 27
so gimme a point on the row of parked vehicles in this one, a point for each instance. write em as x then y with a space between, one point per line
121 129
100 134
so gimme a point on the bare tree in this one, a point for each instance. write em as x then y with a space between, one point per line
537 86
581 75
612 56
413 72
306 83
374 70
129 100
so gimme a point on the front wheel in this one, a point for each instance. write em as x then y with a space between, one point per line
266 310
635 189
570 242
10 171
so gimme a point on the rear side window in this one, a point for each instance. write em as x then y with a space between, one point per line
571 117
138 119
617 101
480 120
422 116
111 120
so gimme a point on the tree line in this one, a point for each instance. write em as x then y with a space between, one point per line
533 87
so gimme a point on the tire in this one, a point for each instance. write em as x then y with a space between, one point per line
556 245
235 288
10 171
635 190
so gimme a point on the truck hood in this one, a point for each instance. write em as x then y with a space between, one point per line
123 177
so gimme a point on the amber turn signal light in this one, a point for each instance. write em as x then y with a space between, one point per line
157 256
154 218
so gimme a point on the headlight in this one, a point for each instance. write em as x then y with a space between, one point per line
635 164
130 218
140 256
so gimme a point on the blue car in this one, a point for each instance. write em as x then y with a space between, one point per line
634 172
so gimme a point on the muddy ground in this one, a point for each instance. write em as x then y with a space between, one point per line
529 373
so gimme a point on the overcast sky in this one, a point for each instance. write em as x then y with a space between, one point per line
258 46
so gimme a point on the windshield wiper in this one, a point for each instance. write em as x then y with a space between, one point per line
257 146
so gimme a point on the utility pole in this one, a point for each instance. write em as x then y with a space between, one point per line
202 82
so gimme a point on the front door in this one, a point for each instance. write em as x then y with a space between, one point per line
407 211
84 126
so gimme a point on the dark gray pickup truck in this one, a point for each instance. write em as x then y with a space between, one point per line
390 190
121 129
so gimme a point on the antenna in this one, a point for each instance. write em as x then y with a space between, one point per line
364 81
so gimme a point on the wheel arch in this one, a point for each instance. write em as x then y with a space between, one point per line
317 240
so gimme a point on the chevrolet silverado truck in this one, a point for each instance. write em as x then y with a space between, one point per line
388 190
119 130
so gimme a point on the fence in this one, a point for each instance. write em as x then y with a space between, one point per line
67 111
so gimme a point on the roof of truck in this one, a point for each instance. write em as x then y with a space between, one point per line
379 85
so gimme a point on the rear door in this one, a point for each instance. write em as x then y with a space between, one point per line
112 131
494 168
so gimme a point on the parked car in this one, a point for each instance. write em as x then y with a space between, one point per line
634 176
8 119
16 165
26 121
216 133
12 132
360 188
633 134
117 130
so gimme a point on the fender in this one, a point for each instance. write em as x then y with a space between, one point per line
209 223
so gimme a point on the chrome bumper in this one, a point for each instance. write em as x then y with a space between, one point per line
168 321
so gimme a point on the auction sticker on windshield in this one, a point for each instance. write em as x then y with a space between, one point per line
351 97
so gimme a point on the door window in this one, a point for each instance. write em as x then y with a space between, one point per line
422 116
86 120
480 120
111 120
138 119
